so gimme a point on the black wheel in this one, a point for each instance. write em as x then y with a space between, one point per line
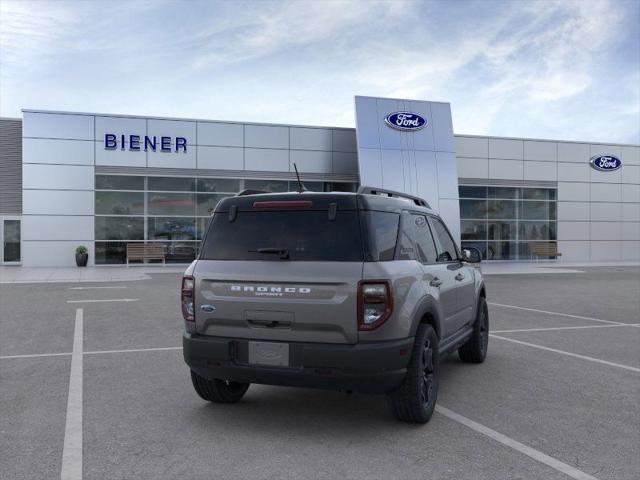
218 391
415 399
475 349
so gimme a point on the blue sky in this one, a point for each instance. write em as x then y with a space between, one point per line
544 69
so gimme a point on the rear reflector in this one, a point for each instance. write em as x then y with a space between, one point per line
283 204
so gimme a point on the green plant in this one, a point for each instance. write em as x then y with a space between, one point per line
81 250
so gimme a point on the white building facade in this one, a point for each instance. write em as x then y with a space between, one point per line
105 181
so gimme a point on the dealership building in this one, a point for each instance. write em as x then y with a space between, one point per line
110 181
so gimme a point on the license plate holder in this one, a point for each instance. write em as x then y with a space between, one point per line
269 353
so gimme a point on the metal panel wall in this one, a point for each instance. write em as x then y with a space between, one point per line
420 162
10 166
598 212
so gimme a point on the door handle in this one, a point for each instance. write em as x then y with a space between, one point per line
459 277
435 282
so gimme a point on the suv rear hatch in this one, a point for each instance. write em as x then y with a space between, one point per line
281 267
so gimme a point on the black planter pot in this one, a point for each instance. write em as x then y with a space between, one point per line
82 259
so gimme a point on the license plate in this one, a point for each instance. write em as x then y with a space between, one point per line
269 353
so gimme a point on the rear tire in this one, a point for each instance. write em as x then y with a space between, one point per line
218 391
475 349
415 400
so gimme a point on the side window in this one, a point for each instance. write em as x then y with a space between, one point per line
382 233
407 250
406 240
447 251
424 241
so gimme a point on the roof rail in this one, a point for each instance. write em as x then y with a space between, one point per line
393 194
250 192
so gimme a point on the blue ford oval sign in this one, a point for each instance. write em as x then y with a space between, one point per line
405 121
605 163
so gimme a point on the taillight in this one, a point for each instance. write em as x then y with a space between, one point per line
375 303
187 298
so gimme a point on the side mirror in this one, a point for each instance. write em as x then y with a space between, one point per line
471 255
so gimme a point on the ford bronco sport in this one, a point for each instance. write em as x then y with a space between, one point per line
349 291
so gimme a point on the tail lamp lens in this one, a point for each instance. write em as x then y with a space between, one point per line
375 304
187 299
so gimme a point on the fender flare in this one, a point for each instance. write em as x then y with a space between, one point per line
428 305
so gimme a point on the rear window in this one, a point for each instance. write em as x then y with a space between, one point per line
304 235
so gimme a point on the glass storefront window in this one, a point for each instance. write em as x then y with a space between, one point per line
119 203
501 209
501 231
536 231
119 182
171 204
178 184
119 228
472 192
168 228
473 208
503 222
501 251
229 185
502 192
538 194
473 229
267 185
107 253
538 210
172 211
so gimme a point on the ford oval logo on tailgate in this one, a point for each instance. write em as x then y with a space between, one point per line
605 163
405 121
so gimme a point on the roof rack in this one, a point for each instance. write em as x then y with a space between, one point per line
250 192
390 193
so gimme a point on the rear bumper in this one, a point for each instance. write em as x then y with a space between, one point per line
375 367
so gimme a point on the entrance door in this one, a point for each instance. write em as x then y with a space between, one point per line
10 233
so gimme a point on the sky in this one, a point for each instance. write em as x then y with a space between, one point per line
540 69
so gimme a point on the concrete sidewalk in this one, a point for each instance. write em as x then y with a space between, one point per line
11 274
549 266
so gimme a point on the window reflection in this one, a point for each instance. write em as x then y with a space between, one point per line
503 222
171 211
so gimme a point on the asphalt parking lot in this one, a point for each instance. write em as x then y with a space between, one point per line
93 386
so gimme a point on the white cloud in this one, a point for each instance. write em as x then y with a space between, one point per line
499 64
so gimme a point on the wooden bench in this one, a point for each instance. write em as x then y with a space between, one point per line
142 252
545 249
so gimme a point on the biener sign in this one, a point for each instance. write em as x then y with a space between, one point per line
139 142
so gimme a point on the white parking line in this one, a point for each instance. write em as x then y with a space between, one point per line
34 355
564 328
72 449
93 352
94 288
569 354
514 444
555 313
158 349
105 300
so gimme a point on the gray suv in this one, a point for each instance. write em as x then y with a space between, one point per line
348 291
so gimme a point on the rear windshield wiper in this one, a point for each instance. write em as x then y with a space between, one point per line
283 252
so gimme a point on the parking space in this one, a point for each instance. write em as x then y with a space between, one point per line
553 399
